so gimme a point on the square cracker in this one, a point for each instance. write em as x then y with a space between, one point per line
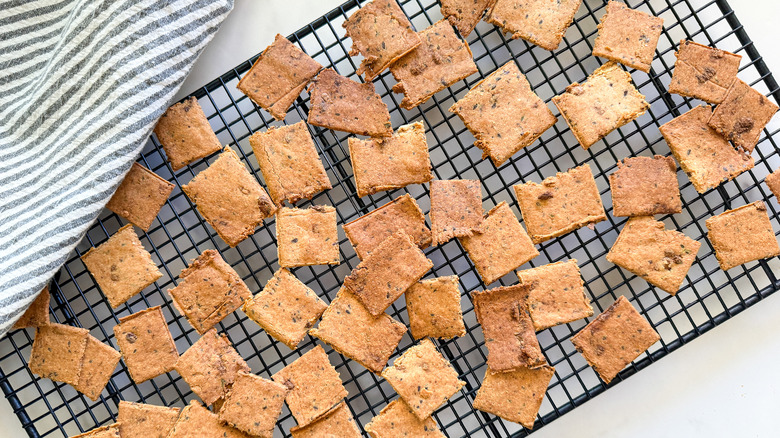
390 163
742 115
465 14
401 214
540 22
503 113
456 209
772 181
351 330
434 308
338 422
140 196
314 386
500 246
438 62
138 420
614 339
662 257
342 104
197 421
210 366
628 36
742 235
185 134
121 266
110 431
382 34
645 186
290 163
208 291
230 198
97 366
37 314
397 420
515 395
57 352
509 332
703 72
146 344
704 155
278 76
253 405
560 204
285 308
557 296
605 102
423 378
395 265
307 236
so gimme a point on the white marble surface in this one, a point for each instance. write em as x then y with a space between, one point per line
723 384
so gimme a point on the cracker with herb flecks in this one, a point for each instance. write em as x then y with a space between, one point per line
703 72
398 420
742 235
742 115
645 186
185 134
434 308
540 22
465 14
307 236
37 314
515 395
456 209
338 422
253 405
138 420
628 36
146 344
557 295
97 367
57 352
197 421
140 196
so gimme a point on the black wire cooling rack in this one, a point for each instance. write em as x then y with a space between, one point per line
708 298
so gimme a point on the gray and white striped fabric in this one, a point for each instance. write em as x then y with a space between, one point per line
82 83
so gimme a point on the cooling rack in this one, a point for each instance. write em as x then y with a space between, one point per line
707 298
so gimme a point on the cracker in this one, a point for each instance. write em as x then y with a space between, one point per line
382 34
210 366
121 266
57 352
338 422
197 421
97 366
401 214
230 198
110 431
423 378
440 61
509 333
140 196
742 235
560 204
278 76
605 102
290 163
645 186
314 386
703 72
661 257
146 344
208 291
503 113
557 296
614 339
465 14
307 236
398 420
515 395
37 314
342 104
285 308
253 405
456 209
500 246
390 163
138 420
628 36
742 115
540 22
772 181
351 330
434 308
185 134
704 155
383 276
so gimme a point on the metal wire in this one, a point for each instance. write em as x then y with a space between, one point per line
708 298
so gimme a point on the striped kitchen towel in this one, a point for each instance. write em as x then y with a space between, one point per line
82 84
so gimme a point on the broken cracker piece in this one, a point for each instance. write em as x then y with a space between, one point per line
338 422
185 134
37 314
97 367
253 405
138 420
307 236
57 352
465 14
557 296
628 36
398 420
742 115
456 209
645 186
742 235
515 395
197 421
772 181
140 196
540 22
703 72
110 431
146 344
434 308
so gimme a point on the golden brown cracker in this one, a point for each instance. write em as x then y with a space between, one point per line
772 181
110 431
742 115
540 22
465 14
97 367
434 308
645 186
197 421
307 236
185 134
37 314
138 420
57 352
703 72
146 344
628 36
515 395
336 423
456 209
253 405
398 420
557 296
742 235
140 196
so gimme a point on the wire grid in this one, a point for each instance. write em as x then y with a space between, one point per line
708 297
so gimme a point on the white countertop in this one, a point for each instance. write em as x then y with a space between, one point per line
723 384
